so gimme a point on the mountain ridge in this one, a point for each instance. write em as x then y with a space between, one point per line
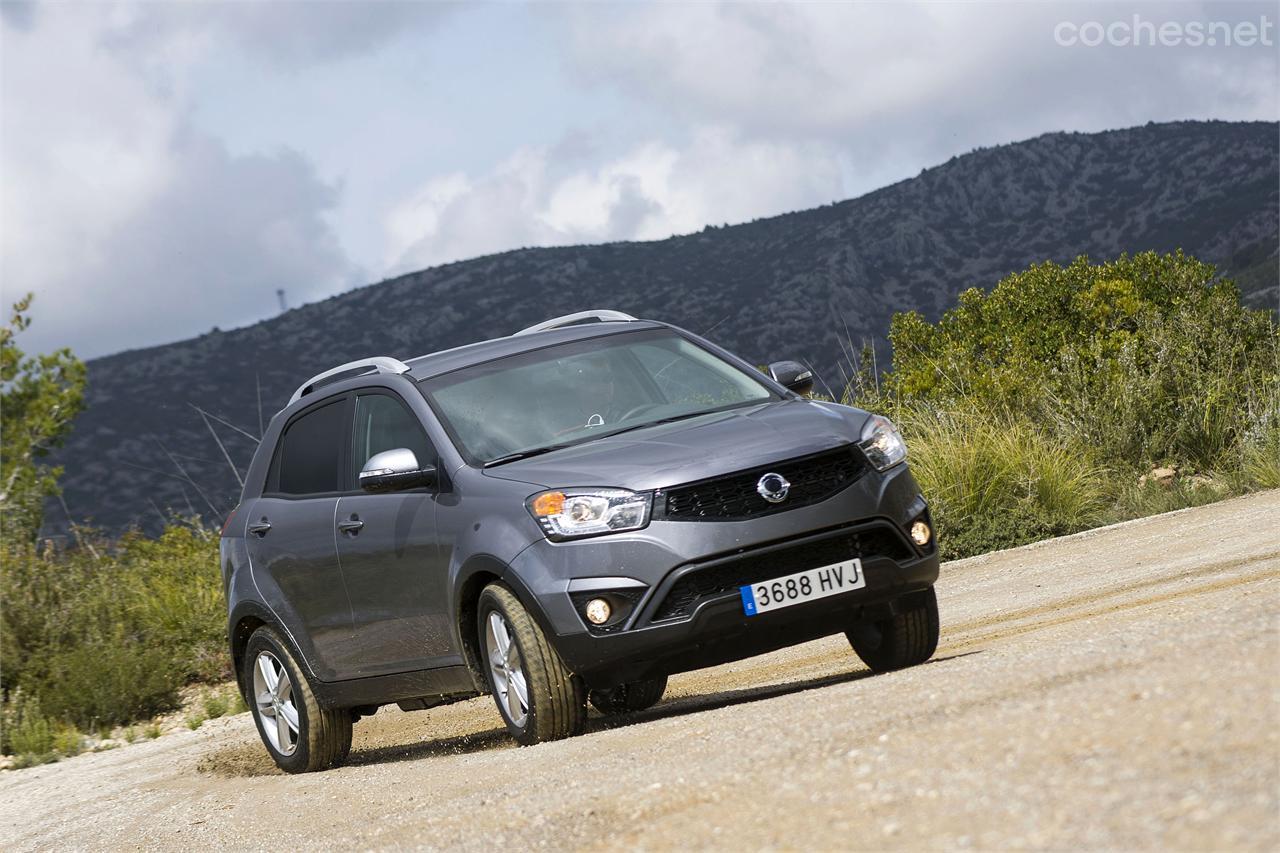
801 284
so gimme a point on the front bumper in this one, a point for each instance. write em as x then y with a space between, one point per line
709 628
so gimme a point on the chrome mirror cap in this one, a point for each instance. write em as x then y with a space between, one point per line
395 469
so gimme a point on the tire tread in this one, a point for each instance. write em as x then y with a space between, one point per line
328 730
907 638
557 697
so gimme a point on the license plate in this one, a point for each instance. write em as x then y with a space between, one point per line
802 586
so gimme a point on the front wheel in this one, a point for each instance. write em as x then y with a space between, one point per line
908 638
538 697
300 735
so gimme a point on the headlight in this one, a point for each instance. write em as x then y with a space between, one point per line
571 513
882 443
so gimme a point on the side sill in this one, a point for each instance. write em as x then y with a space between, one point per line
421 688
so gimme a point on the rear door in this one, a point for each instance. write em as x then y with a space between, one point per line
291 534
387 545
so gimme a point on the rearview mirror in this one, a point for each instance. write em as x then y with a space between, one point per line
792 374
392 470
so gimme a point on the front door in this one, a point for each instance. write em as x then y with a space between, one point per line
387 547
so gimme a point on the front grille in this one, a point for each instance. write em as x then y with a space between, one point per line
727 576
733 497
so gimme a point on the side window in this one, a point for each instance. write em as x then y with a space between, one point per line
385 423
311 451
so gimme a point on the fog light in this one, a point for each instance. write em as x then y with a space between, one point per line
598 611
921 534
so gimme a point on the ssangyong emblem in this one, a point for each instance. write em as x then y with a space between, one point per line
773 488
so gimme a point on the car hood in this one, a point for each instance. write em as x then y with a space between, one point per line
694 449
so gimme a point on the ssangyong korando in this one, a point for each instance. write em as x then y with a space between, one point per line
565 515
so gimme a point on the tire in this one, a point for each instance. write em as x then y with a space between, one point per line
907 639
323 736
630 697
554 703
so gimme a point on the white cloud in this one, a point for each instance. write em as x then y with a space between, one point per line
131 227
910 83
653 190
280 33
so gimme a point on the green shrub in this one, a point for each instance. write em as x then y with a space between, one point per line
109 681
1261 465
27 731
1064 385
999 484
215 705
107 636
1144 359
67 740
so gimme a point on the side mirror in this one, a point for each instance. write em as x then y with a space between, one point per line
392 470
792 374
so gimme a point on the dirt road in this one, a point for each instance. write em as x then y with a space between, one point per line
1118 689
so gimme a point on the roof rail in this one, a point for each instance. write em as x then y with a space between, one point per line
378 363
599 314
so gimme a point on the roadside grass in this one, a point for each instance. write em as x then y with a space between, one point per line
106 634
32 737
996 482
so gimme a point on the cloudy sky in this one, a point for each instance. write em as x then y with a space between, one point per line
166 166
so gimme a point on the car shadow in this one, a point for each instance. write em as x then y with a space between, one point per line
490 739
698 703
253 760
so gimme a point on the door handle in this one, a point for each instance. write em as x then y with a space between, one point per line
352 525
260 528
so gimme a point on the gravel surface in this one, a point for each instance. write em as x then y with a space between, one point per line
1115 689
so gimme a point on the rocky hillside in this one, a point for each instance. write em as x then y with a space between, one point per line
796 285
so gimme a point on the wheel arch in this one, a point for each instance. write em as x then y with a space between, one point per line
249 617
475 575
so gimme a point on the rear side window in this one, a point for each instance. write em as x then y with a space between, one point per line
385 423
311 451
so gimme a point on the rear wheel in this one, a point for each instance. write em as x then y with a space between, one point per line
908 638
538 697
300 735
629 698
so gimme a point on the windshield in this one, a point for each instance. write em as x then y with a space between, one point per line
581 391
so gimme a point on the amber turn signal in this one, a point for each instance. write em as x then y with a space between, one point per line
548 503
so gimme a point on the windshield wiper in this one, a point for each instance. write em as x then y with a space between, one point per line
523 454
669 420
538 451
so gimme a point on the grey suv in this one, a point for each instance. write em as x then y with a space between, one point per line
565 515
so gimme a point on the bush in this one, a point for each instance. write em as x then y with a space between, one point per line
1144 359
109 680
215 706
108 635
995 484
27 731
1033 410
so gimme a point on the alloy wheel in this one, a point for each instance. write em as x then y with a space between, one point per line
507 669
273 698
